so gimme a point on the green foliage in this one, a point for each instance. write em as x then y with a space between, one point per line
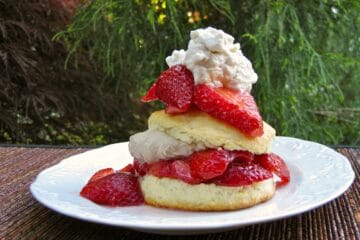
306 54
40 102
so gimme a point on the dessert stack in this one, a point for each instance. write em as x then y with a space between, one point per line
209 149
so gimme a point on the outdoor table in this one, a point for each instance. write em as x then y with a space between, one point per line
22 217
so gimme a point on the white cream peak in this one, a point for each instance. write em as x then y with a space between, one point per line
214 59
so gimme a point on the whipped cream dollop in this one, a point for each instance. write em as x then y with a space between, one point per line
214 59
154 145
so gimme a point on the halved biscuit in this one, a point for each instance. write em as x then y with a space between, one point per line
199 128
173 193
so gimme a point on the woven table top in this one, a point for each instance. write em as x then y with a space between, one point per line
22 217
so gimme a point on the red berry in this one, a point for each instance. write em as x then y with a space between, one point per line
128 168
118 189
222 167
161 169
174 87
181 170
177 169
238 108
208 164
140 168
101 173
275 164
239 174
150 95
196 168
239 156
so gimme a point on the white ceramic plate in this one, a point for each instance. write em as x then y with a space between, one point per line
318 175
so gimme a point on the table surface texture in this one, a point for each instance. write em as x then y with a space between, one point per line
22 217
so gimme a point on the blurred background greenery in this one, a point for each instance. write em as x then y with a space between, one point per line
72 72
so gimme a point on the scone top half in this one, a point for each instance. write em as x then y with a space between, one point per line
198 128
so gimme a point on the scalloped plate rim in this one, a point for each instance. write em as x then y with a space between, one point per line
182 227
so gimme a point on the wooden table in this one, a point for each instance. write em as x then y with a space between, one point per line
21 217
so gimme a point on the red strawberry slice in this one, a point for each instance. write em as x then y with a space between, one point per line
177 169
161 169
208 164
118 189
275 164
150 95
238 108
174 88
239 155
140 168
181 169
239 174
101 173
196 168
128 169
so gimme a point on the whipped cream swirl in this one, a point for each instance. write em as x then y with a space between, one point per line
214 59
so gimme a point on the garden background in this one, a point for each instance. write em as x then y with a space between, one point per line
73 71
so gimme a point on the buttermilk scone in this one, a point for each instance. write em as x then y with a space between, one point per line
173 193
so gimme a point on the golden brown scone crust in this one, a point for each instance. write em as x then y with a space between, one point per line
196 127
173 193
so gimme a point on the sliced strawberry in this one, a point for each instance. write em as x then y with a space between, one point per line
150 95
181 170
239 155
128 168
196 168
140 168
117 189
222 167
238 108
101 173
161 169
208 164
275 164
174 88
177 169
239 174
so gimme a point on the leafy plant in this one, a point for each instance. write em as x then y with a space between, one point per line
40 102
306 58
305 54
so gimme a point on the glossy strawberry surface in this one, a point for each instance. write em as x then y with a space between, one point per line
228 168
117 189
237 108
140 168
242 173
101 173
128 169
209 163
150 95
219 166
198 167
177 169
275 164
175 88
239 155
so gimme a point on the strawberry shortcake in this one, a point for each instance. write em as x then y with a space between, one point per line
209 149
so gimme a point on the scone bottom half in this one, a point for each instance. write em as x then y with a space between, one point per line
173 193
